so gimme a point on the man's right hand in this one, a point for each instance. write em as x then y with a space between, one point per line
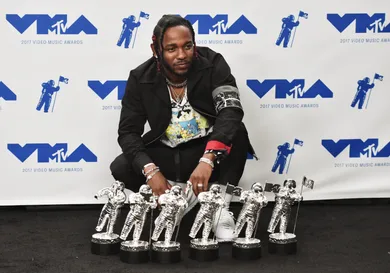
159 184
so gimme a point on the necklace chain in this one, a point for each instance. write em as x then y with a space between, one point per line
178 98
177 85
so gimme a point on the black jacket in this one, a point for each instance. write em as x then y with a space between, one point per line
146 98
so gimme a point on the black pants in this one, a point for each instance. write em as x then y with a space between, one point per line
177 164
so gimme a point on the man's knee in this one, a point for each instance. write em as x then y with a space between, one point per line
122 171
119 167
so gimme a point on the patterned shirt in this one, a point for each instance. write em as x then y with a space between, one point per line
186 124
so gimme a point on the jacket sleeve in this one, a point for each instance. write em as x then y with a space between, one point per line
131 126
227 104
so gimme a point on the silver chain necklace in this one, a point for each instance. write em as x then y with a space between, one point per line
177 97
177 85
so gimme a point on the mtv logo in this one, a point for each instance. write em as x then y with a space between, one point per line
6 93
294 89
106 88
357 148
219 24
57 24
48 153
364 22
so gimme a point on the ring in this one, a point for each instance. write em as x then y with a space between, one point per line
200 185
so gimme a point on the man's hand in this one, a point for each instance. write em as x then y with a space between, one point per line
201 175
159 184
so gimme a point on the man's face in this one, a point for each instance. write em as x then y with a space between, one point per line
177 50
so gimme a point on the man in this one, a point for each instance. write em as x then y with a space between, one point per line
190 100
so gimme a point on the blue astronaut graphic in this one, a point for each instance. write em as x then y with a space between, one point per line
364 87
48 90
289 24
283 154
130 26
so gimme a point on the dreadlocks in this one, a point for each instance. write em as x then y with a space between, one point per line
163 24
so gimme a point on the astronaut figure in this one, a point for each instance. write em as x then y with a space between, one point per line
253 200
129 24
173 203
139 206
281 159
210 202
363 87
284 199
287 27
110 211
46 96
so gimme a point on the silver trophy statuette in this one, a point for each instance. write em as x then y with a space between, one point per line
248 247
206 249
136 250
172 203
284 199
105 243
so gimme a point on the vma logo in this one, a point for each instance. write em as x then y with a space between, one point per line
283 155
363 22
6 93
46 153
58 24
129 29
49 94
294 89
219 24
357 148
289 28
103 89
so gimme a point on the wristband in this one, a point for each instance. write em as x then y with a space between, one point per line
151 175
147 165
207 161
151 170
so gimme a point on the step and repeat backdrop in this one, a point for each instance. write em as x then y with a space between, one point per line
314 80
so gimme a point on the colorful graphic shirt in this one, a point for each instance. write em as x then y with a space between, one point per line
186 124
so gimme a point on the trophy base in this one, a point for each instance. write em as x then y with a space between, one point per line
246 249
282 243
104 244
134 252
204 250
166 253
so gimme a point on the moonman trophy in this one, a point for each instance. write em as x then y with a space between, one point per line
249 248
137 251
107 243
206 249
172 203
284 199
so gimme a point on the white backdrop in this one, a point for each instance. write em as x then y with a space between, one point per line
320 58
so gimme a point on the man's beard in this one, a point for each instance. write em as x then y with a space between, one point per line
171 70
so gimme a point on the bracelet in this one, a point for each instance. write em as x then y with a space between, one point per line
151 170
208 161
147 165
219 154
151 175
